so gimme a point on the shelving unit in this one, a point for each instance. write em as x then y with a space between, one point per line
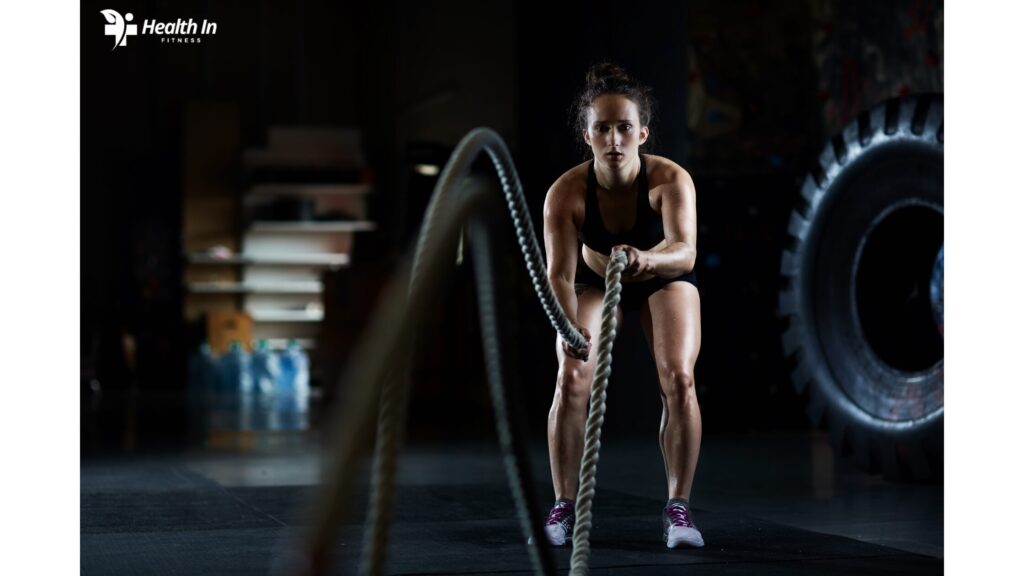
325 170
312 227
287 316
260 243
279 287
284 259
262 192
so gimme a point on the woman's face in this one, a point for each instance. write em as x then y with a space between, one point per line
613 131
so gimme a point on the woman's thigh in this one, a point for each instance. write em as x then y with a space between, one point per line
590 303
671 321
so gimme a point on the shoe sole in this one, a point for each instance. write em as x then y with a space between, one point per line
683 544
683 541
556 535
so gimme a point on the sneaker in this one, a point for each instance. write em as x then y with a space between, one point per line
560 523
679 527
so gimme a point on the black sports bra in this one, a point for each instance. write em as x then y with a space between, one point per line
647 230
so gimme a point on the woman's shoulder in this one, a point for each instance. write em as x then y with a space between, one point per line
661 170
568 195
572 183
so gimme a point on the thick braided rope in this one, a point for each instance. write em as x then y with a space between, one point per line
394 399
429 258
395 386
390 429
595 418
516 472
527 239
385 341
395 392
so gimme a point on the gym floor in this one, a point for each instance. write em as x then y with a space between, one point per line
777 503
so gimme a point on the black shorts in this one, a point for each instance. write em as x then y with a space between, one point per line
634 294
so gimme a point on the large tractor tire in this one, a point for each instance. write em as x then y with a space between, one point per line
863 326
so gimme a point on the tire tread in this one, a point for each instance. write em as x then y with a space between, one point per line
898 458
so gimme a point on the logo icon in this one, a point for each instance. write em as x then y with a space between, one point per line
118 27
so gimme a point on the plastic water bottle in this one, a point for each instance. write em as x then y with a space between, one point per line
293 388
265 368
236 370
204 383
294 370
204 375
301 361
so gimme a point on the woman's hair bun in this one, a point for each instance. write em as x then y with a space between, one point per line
608 78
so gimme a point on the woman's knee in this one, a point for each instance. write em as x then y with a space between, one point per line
677 384
573 384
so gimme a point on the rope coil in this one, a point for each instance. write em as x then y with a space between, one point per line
387 344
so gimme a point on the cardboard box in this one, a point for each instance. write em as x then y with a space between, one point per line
225 326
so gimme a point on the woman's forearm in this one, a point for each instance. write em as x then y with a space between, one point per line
565 293
673 260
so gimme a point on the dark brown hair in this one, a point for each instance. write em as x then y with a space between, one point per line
607 78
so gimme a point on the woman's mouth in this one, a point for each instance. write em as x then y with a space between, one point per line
614 154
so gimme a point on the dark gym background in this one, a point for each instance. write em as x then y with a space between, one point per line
772 82
747 93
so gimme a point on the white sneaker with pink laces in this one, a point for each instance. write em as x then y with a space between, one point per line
679 527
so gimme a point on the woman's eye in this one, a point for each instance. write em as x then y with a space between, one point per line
626 128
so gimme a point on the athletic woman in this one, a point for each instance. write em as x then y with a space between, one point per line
622 200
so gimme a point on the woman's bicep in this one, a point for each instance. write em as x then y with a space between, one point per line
560 238
679 211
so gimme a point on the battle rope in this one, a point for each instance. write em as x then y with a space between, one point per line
595 418
385 353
